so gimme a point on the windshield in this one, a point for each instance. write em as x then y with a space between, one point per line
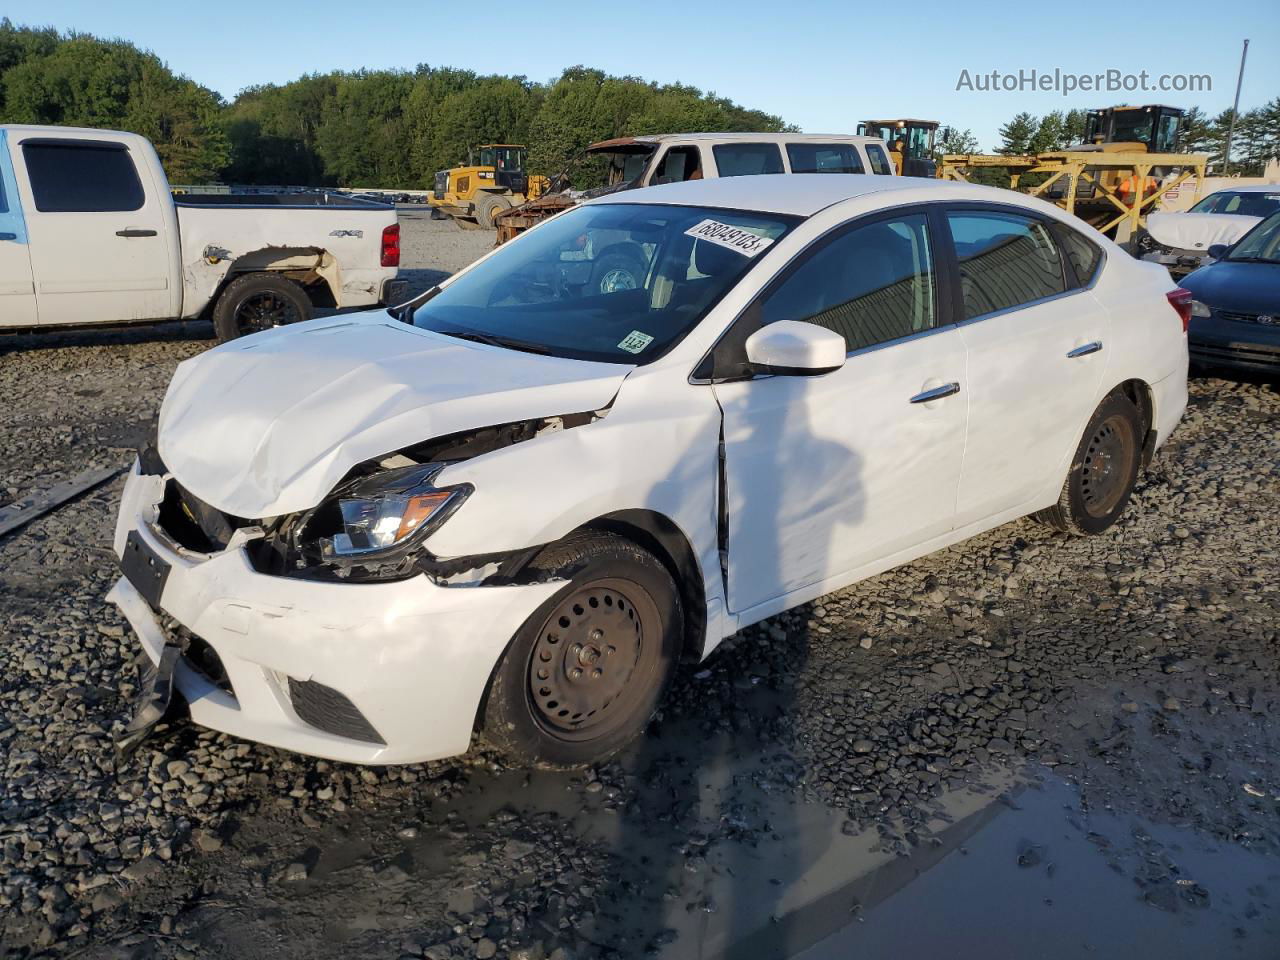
1132 126
620 283
1243 203
1260 243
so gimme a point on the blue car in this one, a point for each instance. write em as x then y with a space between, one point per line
1235 313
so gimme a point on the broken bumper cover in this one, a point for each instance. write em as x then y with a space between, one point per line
413 658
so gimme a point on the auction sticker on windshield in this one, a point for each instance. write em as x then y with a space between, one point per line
727 235
635 341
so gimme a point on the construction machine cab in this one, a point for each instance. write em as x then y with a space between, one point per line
508 162
1150 129
911 143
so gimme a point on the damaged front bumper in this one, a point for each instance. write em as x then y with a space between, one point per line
373 673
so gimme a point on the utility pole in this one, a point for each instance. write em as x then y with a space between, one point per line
1235 111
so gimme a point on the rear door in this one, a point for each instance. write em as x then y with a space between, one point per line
17 292
98 234
1036 340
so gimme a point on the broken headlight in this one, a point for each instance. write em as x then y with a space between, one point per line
390 510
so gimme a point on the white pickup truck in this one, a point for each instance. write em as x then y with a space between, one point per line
90 234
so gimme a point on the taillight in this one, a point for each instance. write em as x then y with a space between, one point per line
391 246
1180 300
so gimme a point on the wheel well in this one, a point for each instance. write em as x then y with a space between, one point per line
1139 393
667 542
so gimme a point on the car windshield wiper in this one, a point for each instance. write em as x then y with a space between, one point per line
1253 260
496 341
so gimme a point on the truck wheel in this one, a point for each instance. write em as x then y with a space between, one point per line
488 207
258 301
585 673
1103 471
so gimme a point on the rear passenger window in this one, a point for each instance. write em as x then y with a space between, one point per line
871 285
1083 254
823 158
879 160
1005 261
745 159
82 178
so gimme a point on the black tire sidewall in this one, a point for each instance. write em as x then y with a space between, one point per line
488 209
1087 522
509 718
241 289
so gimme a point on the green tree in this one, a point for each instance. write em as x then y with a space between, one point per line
1017 134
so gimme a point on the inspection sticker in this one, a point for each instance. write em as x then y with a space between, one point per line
727 235
635 341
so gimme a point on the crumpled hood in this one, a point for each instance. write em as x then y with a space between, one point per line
1197 231
267 425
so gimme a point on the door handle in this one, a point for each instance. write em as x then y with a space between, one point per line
135 233
8 236
1085 350
937 393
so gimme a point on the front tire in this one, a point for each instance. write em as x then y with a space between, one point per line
1103 471
258 301
585 673
488 208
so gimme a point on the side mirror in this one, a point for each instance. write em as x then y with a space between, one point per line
1218 250
795 348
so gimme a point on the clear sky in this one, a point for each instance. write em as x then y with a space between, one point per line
823 65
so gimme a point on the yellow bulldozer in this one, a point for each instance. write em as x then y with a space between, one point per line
494 178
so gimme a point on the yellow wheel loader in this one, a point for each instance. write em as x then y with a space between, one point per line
493 179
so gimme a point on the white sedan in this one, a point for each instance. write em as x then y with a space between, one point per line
514 505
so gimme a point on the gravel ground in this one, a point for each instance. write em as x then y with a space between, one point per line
1136 671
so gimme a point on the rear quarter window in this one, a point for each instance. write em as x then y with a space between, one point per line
1084 255
746 159
879 161
82 178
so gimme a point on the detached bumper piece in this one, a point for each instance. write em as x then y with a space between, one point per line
329 710
155 695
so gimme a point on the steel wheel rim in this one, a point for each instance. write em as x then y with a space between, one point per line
1107 465
617 279
594 659
264 310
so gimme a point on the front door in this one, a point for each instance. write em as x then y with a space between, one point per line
827 475
1036 354
99 238
17 292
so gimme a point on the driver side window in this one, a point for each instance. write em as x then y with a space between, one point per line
871 285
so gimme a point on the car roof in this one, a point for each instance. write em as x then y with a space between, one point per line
798 194
656 138
1250 188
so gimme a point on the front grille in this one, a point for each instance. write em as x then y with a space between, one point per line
192 523
329 710
442 184
1271 319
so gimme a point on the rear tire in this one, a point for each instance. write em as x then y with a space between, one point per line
1103 471
488 208
585 673
258 301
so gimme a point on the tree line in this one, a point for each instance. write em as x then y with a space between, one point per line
392 128
396 128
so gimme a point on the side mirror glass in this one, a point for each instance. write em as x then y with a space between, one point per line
795 348
1218 250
